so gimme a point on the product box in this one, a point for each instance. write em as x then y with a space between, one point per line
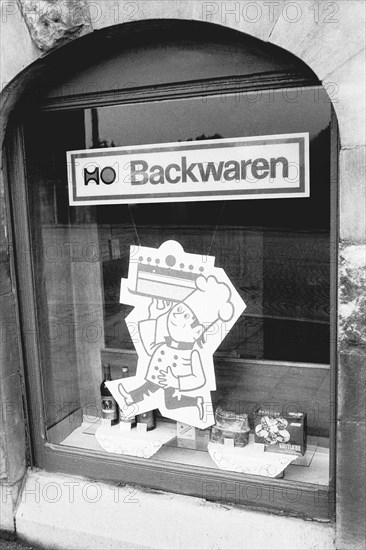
185 431
281 431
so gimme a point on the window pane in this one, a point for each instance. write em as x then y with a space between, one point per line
276 252
282 245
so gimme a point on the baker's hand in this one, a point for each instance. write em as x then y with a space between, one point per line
158 307
167 379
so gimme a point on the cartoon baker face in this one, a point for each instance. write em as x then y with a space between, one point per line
183 325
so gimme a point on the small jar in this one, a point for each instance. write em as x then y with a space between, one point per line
230 428
147 418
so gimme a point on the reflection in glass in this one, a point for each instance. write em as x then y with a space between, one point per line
276 252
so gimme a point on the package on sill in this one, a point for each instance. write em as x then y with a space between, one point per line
230 428
185 431
281 432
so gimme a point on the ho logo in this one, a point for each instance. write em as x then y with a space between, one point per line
107 175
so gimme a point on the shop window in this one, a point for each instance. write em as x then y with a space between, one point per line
277 253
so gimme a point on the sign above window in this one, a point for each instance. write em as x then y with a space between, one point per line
260 167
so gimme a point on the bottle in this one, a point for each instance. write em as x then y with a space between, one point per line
147 418
125 416
109 405
124 372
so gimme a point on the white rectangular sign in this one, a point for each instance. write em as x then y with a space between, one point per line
260 167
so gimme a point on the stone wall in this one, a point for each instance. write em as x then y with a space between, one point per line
329 37
12 427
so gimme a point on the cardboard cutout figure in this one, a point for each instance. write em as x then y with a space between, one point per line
183 308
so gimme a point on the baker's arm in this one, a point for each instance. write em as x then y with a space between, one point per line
197 378
153 332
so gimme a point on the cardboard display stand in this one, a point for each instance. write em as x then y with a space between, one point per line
142 444
250 459
184 307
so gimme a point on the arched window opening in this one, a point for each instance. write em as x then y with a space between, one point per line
160 83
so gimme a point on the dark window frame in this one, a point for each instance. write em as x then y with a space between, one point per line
302 499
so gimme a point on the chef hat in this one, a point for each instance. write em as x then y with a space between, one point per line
210 301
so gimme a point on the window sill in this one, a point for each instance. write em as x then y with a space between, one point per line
302 492
110 515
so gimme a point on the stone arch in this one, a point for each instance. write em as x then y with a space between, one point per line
300 28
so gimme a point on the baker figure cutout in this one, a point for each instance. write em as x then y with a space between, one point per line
183 310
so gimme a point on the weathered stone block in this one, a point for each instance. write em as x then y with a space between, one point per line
107 523
11 401
352 298
17 49
351 486
352 199
3 460
5 282
109 13
352 386
7 509
348 91
52 23
9 337
257 19
12 471
346 88
323 34
16 449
